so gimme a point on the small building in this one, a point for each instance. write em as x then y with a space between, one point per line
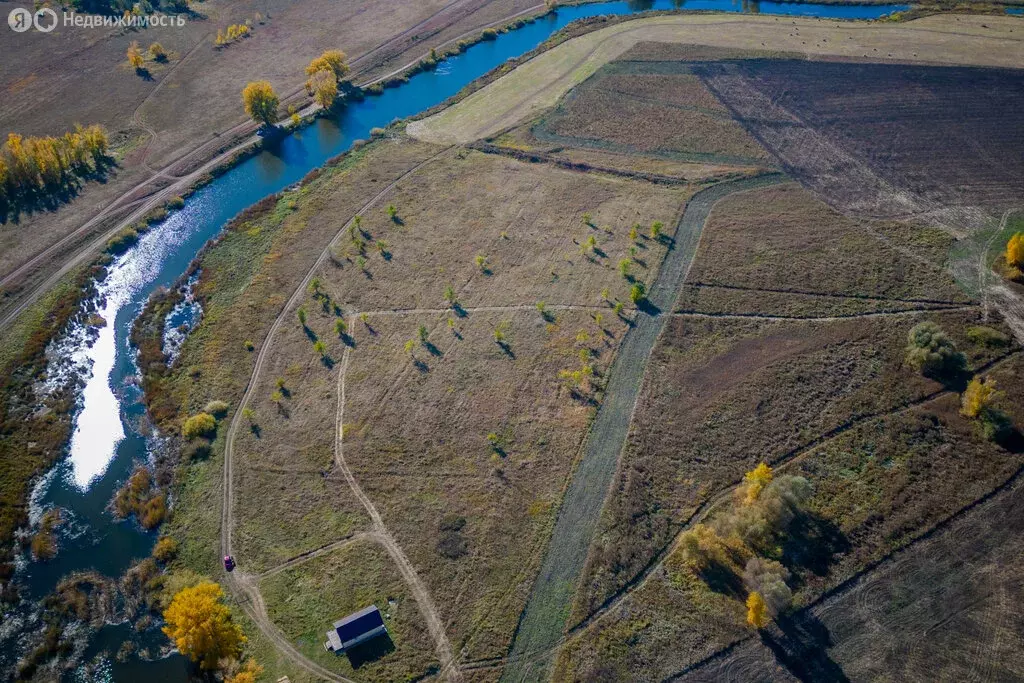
354 629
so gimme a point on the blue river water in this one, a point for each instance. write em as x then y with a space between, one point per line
110 436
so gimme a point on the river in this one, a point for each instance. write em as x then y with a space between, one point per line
110 436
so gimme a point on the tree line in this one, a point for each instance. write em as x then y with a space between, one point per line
42 170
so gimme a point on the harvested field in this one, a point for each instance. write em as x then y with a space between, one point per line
783 239
666 113
541 82
898 140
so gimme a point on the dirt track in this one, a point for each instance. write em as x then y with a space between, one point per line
544 617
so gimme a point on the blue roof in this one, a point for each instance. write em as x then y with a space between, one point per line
358 623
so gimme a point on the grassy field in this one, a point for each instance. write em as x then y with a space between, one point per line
466 474
540 83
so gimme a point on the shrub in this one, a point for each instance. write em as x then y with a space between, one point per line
489 34
157 52
757 611
931 352
196 449
216 408
987 336
200 424
153 512
165 550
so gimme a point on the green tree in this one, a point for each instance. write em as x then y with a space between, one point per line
931 352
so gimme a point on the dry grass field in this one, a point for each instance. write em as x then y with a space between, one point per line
463 444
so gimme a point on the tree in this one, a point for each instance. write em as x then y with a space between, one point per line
332 62
449 295
324 88
931 352
755 481
481 262
587 219
656 228
757 611
200 424
392 211
624 265
637 292
260 102
301 314
978 397
1015 250
135 57
201 627
422 333
249 673
319 347
634 232
340 327
157 52
768 578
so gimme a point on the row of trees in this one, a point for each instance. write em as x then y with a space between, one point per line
40 169
323 75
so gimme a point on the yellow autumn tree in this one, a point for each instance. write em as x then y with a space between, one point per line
756 480
332 61
247 674
1015 251
978 397
757 611
135 57
200 625
324 88
260 102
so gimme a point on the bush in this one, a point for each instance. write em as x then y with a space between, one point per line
216 408
489 34
153 512
201 424
165 550
987 336
931 352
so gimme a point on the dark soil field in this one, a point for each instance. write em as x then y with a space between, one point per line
663 111
894 140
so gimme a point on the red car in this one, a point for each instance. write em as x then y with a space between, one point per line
229 563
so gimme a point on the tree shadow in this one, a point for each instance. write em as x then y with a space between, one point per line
143 73
812 543
327 361
310 334
459 311
256 431
506 349
803 649
370 651
647 307
432 350
420 365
